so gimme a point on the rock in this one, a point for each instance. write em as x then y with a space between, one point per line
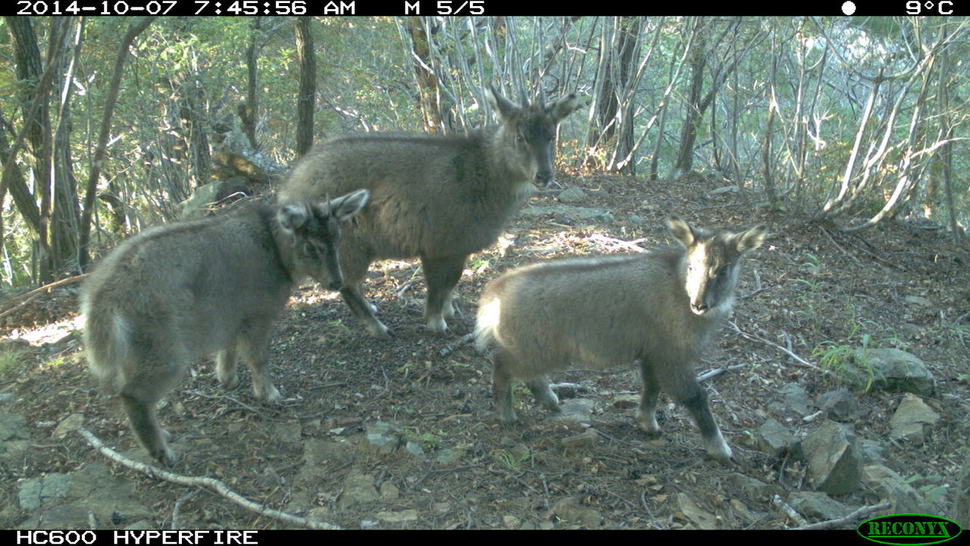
794 398
724 189
961 494
888 370
817 505
578 410
839 405
358 488
319 454
14 438
197 205
910 419
917 301
398 517
68 424
893 488
384 437
90 495
581 441
389 491
773 438
35 492
415 449
834 458
572 512
753 488
568 213
572 195
449 456
288 433
699 517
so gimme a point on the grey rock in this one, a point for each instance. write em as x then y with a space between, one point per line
795 398
572 512
75 500
753 488
577 410
14 437
585 440
358 488
961 493
570 213
573 194
702 519
34 492
893 488
817 505
911 418
839 405
449 456
888 370
834 458
197 205
774 438
385 437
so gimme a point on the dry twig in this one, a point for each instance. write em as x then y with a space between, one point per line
861 513
201 481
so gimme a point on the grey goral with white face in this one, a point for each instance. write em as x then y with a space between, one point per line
660 308
436 197
711 263
178 292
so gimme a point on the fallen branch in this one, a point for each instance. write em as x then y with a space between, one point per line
37 291
797 358
606 242
201 481
788 510
861 513
451 347
718 371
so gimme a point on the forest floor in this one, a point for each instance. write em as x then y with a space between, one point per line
810 288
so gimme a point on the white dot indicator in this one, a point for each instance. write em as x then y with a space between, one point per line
848 8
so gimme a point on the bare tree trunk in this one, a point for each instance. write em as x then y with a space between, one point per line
249 112
65 217
429 96
767 160
693 108
306 100
35 95
946 152
91 188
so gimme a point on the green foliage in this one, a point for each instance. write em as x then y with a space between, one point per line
186 77
10 364
512 459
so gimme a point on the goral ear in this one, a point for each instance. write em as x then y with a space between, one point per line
293 216
506 108
681 231
347 206
751 239
563 107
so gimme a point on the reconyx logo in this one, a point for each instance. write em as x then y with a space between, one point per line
908 529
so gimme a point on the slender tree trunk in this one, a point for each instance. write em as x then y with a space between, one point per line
65 217
429 96
693 111
249 112
91 188
306 100
35 92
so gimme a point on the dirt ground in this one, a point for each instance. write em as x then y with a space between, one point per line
810 288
